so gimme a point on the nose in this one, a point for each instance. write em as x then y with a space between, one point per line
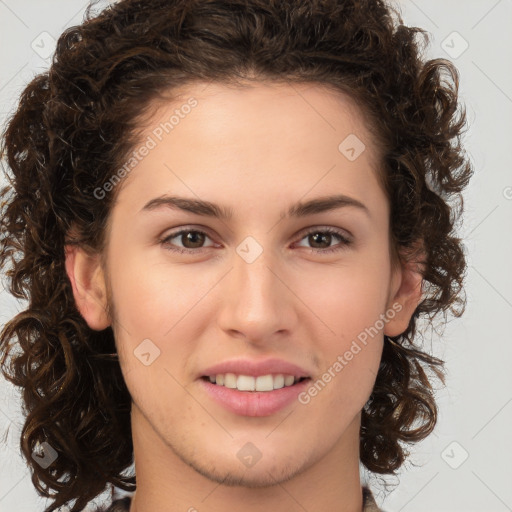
257 301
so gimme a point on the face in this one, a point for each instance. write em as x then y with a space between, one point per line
191 290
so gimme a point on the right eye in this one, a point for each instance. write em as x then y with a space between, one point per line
193 237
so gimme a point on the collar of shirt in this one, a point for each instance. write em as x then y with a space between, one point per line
369 504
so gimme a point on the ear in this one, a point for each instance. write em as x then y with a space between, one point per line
405 295
89 288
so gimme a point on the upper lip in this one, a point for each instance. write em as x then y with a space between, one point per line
255 368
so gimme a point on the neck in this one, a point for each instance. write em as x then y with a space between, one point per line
165 481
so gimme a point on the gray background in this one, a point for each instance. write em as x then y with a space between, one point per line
476 405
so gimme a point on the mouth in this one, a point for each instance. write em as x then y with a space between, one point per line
249 383
254 395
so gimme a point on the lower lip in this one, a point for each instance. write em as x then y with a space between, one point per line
254 403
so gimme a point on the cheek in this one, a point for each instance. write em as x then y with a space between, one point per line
348 369
350 302
347 299
153 296
165 304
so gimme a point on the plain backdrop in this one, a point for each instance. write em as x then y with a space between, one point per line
464 466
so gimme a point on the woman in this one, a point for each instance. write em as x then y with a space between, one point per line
229 217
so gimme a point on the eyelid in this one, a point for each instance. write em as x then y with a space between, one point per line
329 229
345 237
186 229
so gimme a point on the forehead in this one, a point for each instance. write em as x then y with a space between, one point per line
306 109
209 138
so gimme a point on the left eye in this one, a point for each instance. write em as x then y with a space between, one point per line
327 233
196 238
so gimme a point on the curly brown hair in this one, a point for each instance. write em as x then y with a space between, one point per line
76 123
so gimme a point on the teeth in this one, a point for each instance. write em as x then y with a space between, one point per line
279 381
288 380
230 380
249 383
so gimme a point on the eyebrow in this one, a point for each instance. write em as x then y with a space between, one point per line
297 210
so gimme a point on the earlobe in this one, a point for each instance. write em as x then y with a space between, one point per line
89 288
406 294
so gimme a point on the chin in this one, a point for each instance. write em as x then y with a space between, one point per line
262 474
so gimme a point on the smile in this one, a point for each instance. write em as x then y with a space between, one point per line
267 382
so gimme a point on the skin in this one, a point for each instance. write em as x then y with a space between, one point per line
256 150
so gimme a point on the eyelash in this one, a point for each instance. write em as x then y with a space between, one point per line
345 242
